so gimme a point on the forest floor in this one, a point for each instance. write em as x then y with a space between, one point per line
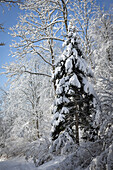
22 164
16 164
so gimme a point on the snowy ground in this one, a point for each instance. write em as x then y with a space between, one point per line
53 164
22 164
16 164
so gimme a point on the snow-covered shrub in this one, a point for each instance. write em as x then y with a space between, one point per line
103 161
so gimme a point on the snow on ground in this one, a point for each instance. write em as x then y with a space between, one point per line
16 164
22 164
53 164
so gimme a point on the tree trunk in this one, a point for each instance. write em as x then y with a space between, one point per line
77 128
76 120
37 126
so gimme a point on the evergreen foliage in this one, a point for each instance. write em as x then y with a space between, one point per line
75 102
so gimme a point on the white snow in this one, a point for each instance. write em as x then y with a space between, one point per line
64 44
66 78
74 81
59 100
57 69
59 87
68 49
87 86
55 122
66 87
75 53
69 34
65 99
62 57
17 164
54 109
59 90
64 110
72 40
68 65
94 102
71 92
61 118
75 35
53 164
62 81
56 115
82 65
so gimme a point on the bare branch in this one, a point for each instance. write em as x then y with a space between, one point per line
41 74
41 56
47 38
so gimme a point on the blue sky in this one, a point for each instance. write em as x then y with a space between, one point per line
10 18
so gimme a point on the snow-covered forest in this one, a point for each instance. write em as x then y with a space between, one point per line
58 110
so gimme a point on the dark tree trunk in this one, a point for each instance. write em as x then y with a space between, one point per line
37 126
77 128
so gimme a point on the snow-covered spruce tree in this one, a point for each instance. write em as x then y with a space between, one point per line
75 102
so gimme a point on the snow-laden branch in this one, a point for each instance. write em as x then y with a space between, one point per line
41 56
41 74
